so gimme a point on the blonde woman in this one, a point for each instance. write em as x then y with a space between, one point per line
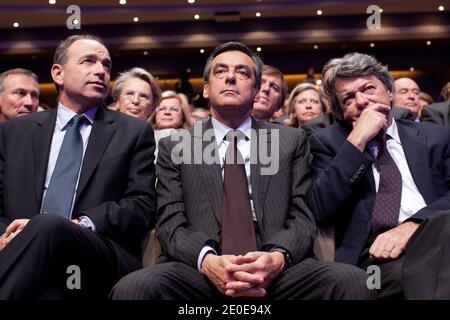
305 103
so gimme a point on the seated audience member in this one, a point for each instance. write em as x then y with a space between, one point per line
425 99
77 192
305 104
382 182
439 113
19 93
198 114
271 94
215 243
136 93
169 115
406 95
327 118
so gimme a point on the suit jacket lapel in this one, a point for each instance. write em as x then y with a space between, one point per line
414 147
259 182
42 135
211 174
103 130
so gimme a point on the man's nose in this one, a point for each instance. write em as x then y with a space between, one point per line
361 100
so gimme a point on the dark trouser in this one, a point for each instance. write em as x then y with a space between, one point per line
309 279
390 275
423 270
35 264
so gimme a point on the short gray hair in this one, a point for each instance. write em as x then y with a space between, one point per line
138 73
354 65
235 46
15 71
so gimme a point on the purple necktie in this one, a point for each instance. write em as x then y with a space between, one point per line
387 202
238 231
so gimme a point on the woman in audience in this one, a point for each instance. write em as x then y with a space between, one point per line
305 104
425 99
136 93
169 115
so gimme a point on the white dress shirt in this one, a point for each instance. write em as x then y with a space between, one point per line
411 201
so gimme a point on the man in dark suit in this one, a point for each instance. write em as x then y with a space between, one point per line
377 179
84 218
271 94
438 113
267 250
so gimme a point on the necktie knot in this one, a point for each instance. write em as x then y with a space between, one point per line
76 120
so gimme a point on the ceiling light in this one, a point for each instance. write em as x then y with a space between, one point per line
191 1
441 8
202 50
75 21
135 19
145 53
428 43
197 16
258 14
15 24
122 2
52 1
411 69
372 44
258 49
316 47
319 12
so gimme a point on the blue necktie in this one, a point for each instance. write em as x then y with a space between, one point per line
60 193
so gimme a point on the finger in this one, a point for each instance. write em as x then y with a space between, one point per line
381 107
12 227
385 254
252 292
238 285
249 257
248 277
396 252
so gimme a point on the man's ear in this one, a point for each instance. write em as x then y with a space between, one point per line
57 72
205 90
391 96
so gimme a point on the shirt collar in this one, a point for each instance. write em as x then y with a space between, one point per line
64 115
221 130
392 131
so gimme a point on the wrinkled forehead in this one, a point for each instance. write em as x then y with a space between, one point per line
344 84
20 80
83 47
233 59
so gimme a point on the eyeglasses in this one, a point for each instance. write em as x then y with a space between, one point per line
140 96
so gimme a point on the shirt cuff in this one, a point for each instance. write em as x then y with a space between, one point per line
86 223
202 255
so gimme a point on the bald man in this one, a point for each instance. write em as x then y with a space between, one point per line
407 96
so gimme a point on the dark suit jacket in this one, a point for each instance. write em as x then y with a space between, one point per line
190 196
116 185
438 113
318 123
343 190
